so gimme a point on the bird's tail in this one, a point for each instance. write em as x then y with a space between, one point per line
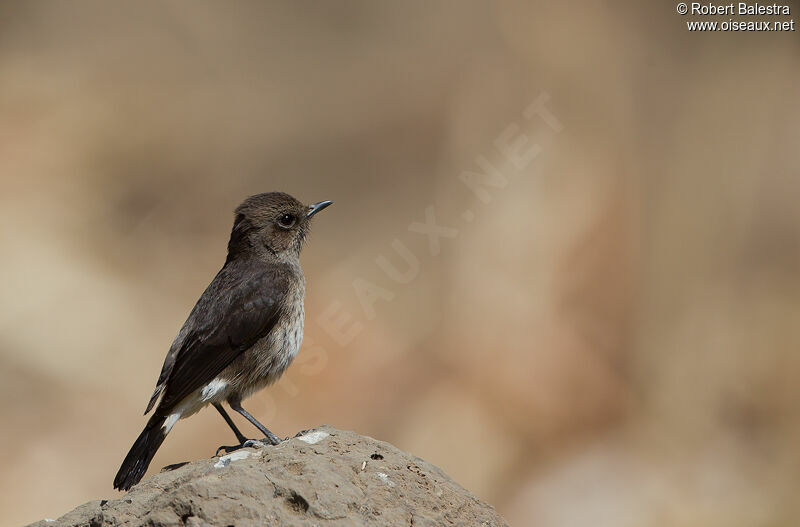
141 453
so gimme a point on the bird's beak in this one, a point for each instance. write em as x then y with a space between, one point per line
316 207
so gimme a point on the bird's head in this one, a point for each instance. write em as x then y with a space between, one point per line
272 223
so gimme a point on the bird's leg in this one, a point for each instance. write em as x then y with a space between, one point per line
270 437
239 436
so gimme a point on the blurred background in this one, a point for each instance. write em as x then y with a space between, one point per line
605 332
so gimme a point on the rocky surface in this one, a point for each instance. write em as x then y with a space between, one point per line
325 477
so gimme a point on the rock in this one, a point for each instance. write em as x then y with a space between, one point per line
326 477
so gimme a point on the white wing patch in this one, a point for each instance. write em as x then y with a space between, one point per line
213 388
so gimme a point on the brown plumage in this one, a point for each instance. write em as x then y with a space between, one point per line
244 331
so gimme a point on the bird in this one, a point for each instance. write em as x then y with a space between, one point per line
242 333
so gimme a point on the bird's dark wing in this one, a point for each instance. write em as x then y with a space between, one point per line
240 306
169 363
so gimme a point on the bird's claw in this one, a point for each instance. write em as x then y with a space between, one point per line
270 440
250 443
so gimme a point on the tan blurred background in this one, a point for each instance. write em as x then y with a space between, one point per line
611 340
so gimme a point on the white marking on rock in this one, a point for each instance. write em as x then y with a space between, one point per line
170 421
48 520
314 437
213 388
385 478
224 461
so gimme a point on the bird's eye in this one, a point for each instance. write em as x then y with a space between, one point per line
287 221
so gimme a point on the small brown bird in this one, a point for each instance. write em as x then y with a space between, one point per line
243 332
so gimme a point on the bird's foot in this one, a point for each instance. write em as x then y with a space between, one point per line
270 440
261 443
